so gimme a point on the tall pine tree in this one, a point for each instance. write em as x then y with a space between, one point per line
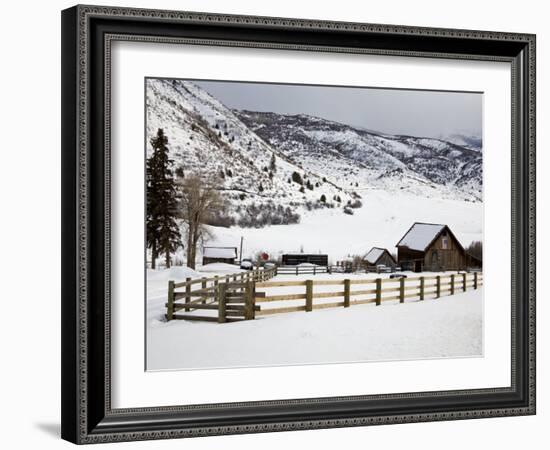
163 234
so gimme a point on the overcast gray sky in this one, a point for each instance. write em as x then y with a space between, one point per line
393 111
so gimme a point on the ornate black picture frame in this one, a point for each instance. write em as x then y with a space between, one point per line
87 35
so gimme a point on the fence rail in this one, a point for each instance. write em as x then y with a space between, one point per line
399 289
301 270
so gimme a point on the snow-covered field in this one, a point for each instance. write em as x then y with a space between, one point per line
446 327
381 222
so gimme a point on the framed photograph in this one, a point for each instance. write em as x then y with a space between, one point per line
281 224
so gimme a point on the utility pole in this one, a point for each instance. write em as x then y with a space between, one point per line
241 251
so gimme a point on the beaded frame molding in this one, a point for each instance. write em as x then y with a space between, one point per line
87 35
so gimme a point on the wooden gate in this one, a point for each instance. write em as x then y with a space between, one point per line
223 302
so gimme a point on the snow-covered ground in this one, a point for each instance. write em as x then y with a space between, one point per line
382 221
450 326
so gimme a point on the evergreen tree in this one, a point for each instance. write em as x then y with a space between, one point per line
273 163
297 178
163 235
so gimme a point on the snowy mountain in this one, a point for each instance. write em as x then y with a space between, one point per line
467 140
269 165
207 139
418 165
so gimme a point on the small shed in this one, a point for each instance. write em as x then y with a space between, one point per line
219 254
378 256
293 259
432 247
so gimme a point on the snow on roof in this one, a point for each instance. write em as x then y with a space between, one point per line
220 252
373 255
420 236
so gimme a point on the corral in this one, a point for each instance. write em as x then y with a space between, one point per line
445 326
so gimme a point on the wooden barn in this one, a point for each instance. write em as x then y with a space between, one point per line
432 247
219 254
293 259
377 256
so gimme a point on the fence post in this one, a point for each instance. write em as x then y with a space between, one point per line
170 310
378 291
249 301
221 302
187 293
464 282
314 267
234 278
475 280
347 292
296 270
452 284
421 288
275 271
203 286
309 295
402 290
253 300
438 286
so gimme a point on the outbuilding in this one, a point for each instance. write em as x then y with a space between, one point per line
378 256
432 247
219 254
293 259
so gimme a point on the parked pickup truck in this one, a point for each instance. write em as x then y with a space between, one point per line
398 275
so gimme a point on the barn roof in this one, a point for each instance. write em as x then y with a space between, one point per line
220 252
421 235
373 254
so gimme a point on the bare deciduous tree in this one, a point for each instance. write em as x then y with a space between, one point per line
199 200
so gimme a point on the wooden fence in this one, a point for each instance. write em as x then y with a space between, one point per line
301 270
377 291
221 294
237 297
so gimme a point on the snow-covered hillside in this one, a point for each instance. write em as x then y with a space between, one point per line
467 140
207 139
347 155
381 222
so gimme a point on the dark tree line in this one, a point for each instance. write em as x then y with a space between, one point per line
476 250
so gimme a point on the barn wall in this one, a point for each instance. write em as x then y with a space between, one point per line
387 260
438 258
405 256
295 259
209 260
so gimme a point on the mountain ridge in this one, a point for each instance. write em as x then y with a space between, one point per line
265 162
